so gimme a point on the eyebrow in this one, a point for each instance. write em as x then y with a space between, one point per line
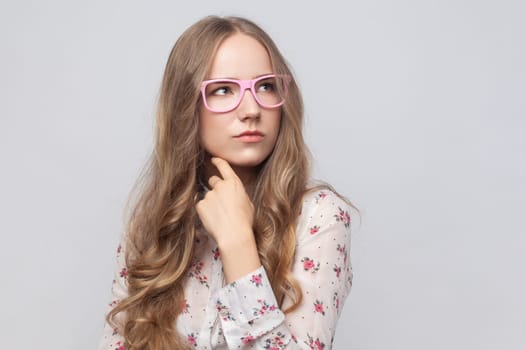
232 78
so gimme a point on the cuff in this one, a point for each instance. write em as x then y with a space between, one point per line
247 308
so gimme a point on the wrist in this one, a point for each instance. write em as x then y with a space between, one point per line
236 241
239 256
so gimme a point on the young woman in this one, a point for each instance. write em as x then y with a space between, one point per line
229 246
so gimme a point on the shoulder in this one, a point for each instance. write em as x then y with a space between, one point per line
321 199
323 211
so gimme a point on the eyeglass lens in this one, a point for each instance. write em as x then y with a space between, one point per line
225 95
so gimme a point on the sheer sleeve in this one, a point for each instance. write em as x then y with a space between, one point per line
248 311
111 338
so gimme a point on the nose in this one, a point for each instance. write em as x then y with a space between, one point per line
248 107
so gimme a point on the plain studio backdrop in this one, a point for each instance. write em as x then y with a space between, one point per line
414 110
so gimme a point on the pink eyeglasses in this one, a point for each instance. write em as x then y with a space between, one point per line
224 95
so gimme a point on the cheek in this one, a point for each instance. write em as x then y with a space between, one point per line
205 126
276 126
206 136
212 132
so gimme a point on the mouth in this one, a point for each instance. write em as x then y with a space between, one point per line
250 136
250 133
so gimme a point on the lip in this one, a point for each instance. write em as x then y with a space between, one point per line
251 133
250 136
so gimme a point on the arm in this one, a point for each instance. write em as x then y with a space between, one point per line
111 339
226 212
248 310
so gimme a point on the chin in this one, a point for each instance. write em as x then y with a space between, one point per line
246 162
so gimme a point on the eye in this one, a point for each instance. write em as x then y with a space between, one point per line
266 85
222 90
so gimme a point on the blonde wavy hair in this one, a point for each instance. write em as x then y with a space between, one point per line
161 228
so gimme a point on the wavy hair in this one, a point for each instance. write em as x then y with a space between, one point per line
161 226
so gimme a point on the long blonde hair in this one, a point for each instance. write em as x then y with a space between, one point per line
161 227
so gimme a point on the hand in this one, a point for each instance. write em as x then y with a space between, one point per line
226 210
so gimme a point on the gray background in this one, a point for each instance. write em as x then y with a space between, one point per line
414 109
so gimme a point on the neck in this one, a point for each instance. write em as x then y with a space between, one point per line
248 175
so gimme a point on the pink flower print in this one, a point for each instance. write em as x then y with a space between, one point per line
119 346
314 229
318 344
314 344
203 279
192 339
342 249
337 270
216 253
257 280
124 273
223 311
198 266
275 343
321 195
318 307
343 216
336 301
247 339
185 306
196 272
119 249
263 308
309 264
114 302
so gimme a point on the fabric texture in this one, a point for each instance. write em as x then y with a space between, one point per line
244 314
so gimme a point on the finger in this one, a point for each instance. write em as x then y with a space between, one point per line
224 168
213 181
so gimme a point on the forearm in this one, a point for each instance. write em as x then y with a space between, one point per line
239 255
251 318
249 313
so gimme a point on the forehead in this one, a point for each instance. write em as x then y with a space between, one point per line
242 57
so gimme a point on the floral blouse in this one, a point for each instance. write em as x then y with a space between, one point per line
244 314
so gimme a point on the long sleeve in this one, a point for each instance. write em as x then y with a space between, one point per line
247 307
111 338
244 314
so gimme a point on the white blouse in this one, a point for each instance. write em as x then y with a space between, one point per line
244 314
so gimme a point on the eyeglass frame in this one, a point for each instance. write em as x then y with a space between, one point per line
248 84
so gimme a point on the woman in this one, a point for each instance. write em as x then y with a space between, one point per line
228 246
